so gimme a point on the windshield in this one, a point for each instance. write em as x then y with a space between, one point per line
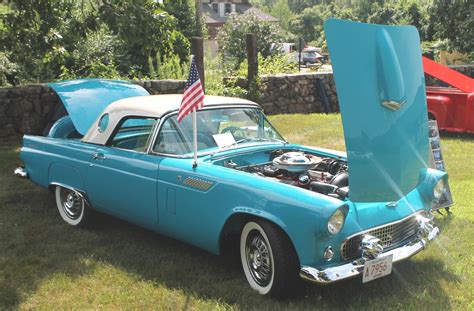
216 128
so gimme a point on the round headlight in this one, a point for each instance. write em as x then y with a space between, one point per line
336 221
439 189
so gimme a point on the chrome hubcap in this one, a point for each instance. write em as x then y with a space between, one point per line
258 258
71 203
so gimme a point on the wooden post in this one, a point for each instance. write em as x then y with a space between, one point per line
199 18
300 49
198 52
252 57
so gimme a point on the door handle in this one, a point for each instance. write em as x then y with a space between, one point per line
98 156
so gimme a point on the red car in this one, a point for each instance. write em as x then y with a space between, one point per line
452 107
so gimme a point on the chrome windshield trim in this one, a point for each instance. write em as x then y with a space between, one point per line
165 117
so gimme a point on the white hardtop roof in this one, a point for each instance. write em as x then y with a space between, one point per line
158 105
153 106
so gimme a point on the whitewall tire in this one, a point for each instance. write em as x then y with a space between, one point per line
268 259
71 206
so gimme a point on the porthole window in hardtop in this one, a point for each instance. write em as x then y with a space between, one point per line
103 122
133 133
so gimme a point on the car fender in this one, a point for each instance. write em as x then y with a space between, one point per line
260 214
439 107
235 220
66 175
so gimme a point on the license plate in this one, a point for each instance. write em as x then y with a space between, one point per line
377 268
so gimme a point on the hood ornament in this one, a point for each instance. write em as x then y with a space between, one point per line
393 105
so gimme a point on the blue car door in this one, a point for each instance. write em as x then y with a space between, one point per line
122 177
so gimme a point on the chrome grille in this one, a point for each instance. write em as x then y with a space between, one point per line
390 235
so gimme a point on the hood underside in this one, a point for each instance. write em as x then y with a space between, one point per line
85 99
381 91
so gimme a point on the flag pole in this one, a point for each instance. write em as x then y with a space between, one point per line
194 138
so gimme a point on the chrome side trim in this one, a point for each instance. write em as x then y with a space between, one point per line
355 268
82 194
21 172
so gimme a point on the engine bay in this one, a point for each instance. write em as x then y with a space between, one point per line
325 175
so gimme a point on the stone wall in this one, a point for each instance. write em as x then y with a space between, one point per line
25 109
162 86
298 93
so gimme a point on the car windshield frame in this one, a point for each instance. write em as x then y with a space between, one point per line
216 149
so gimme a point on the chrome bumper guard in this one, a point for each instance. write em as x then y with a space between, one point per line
427 230
20 172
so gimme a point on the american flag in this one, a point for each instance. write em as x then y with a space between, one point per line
193 96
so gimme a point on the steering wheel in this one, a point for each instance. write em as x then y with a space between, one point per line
236 131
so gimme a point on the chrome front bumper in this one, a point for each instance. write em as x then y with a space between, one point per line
355 268
20 172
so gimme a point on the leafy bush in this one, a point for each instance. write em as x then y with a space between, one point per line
94 56
277 63
51 39
7 70
215 72
232 37
454 22
168 67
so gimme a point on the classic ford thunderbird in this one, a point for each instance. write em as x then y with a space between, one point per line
294 212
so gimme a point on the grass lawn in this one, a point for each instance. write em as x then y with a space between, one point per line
45 264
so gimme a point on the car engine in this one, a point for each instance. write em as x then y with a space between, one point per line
325 175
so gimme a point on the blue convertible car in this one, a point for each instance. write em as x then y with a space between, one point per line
293 211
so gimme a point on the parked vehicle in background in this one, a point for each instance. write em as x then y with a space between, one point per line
311 56
452 106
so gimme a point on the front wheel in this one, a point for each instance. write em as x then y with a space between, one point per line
71 206
268 259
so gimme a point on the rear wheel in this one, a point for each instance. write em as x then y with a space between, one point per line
71 206
268 259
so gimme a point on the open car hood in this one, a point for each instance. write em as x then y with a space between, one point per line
448 75
85 99
381 90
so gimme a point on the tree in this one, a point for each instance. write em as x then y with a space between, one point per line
298 6
454 22
50 39
36 35
282 11
232 36
145 29
184 13
309 24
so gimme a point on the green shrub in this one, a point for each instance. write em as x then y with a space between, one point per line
232 37
273 64
168 67
7 70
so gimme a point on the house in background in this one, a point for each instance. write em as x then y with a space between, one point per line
216 13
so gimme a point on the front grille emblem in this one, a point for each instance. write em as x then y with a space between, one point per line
391 204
